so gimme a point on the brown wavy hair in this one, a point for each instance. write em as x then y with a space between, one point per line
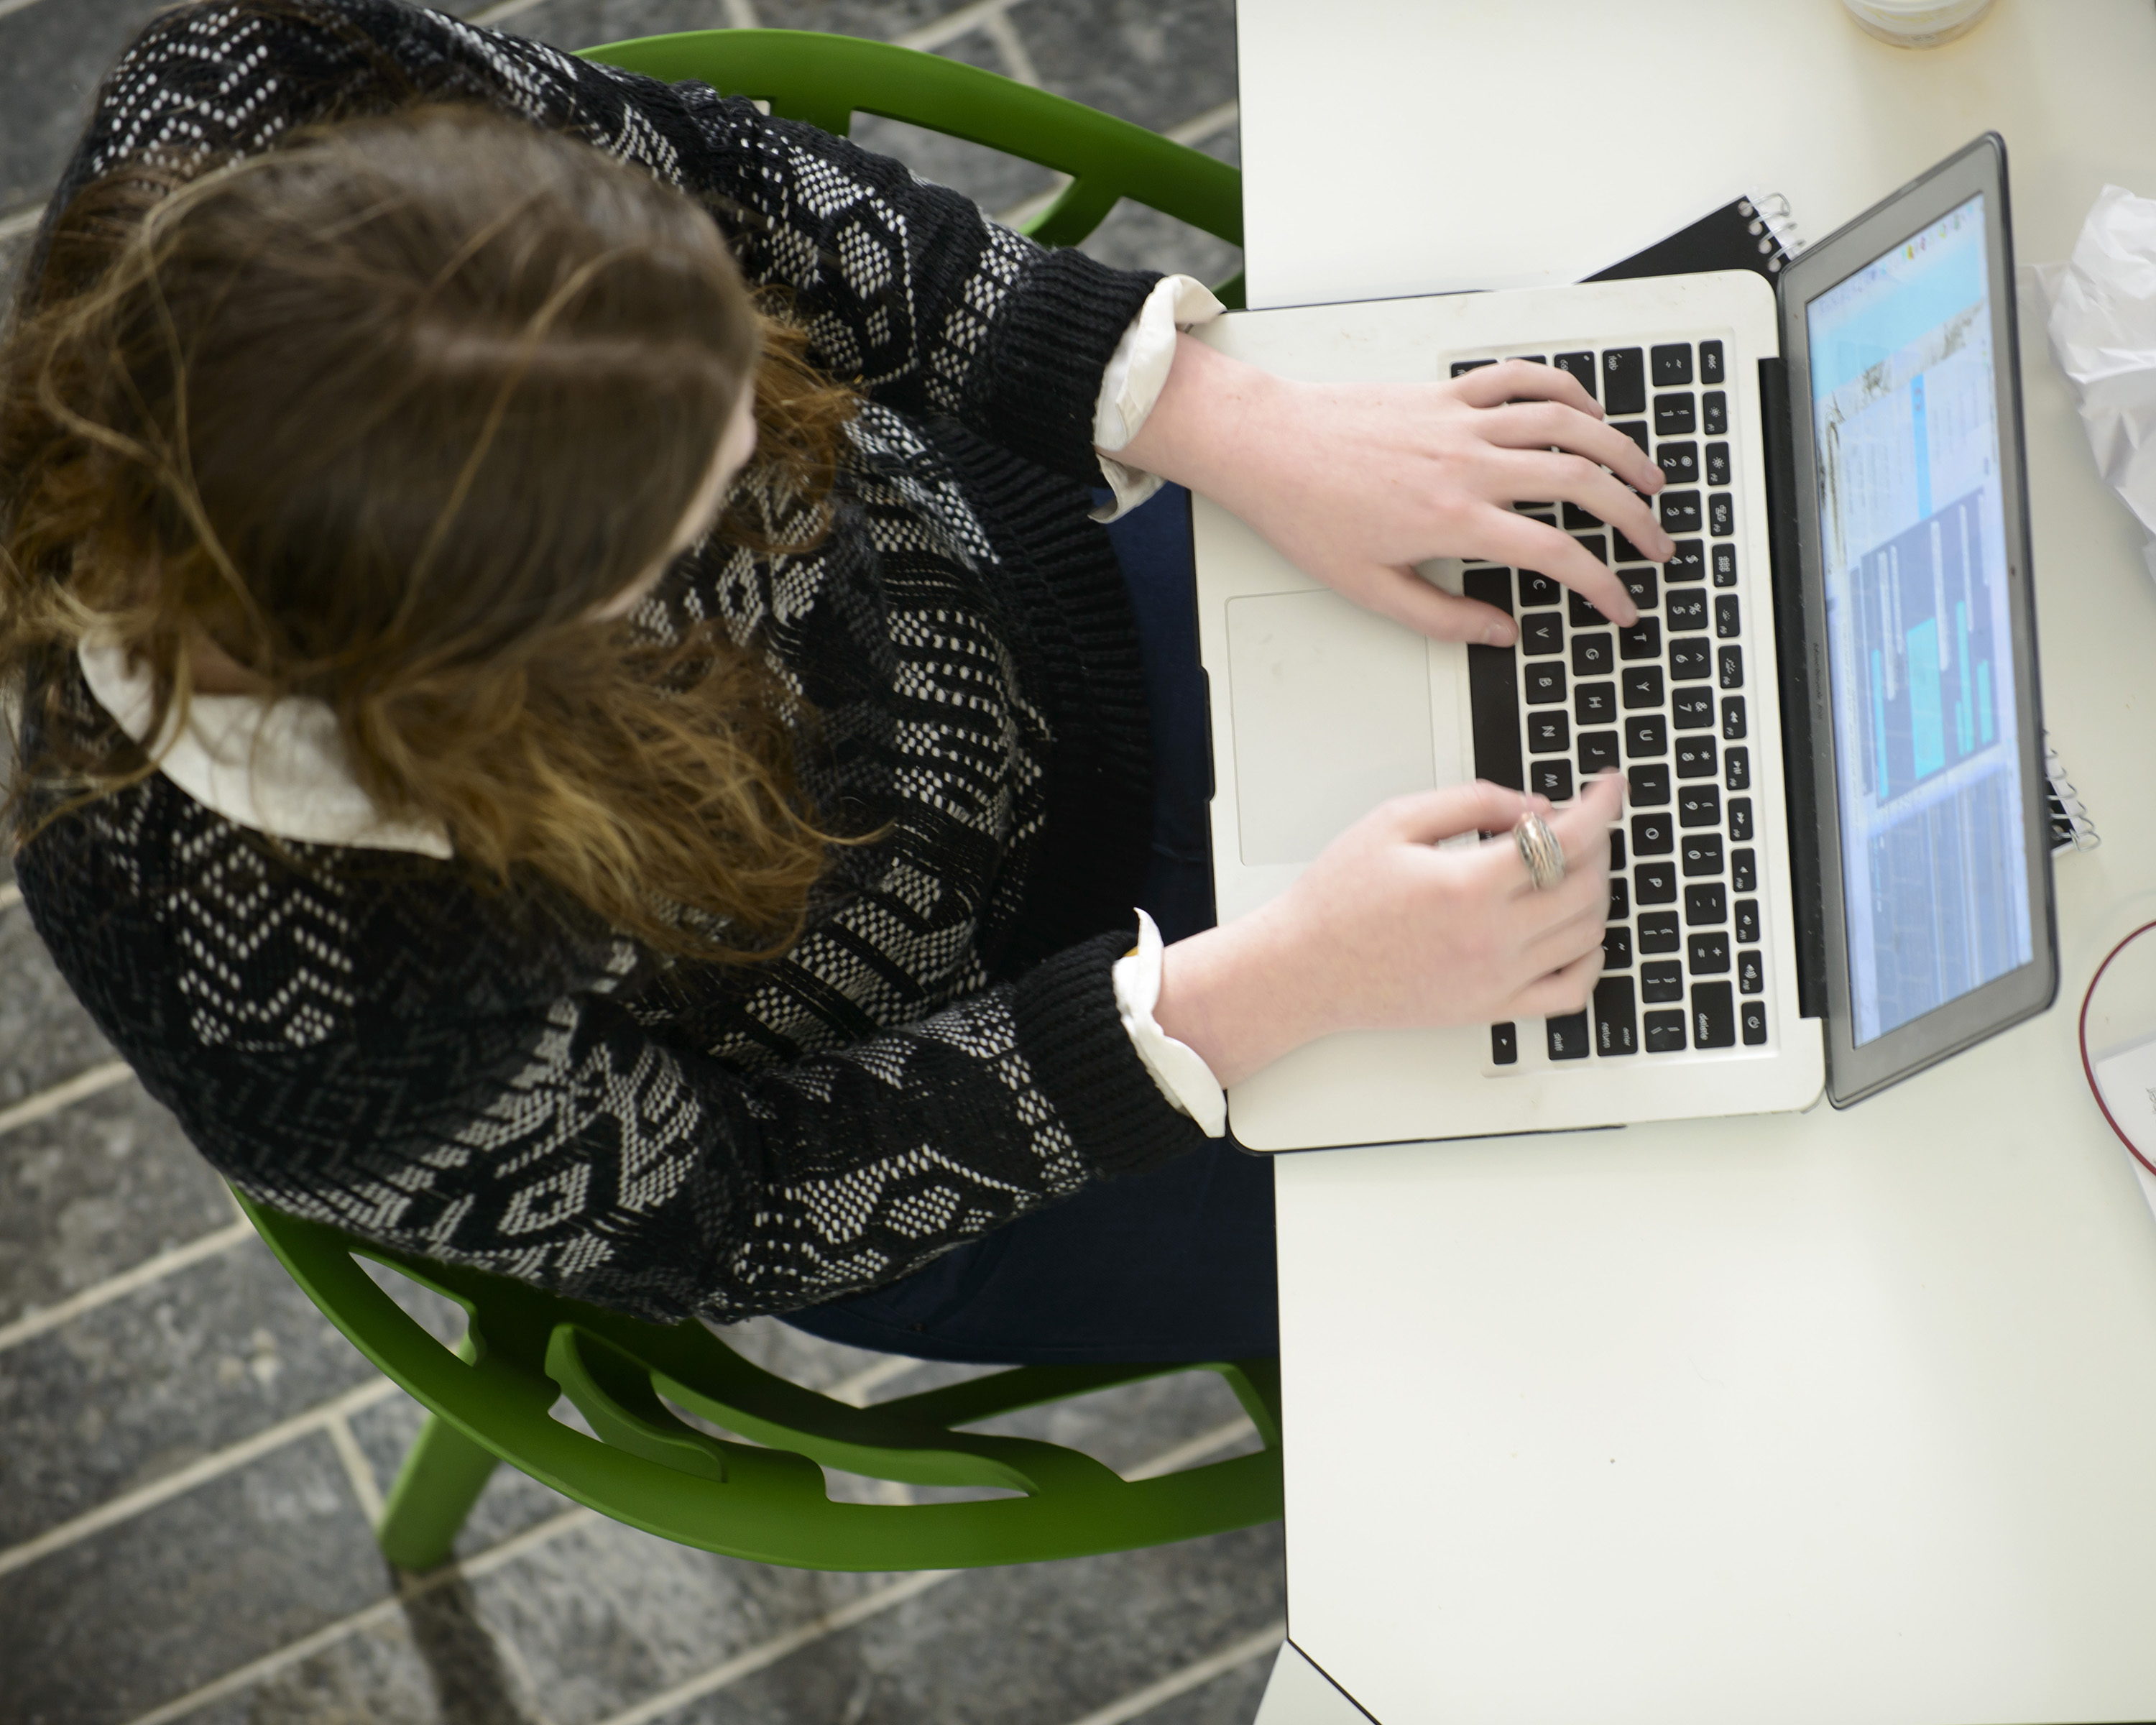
384 414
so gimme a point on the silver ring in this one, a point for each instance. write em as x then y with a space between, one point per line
1540 850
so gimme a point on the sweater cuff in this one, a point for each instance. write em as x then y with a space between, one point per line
1035 388
1072 1036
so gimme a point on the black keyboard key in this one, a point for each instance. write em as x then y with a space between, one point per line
1544 677
1643 685
1690 661
1688 562
1751 973
1707 955
1537 590
1693 708
1720 514
1552 779
1740 818
1526 513
1744 870
1702 855
1655 883
1617 947
1567 1036
1583 613
1628 552
1718 463
1710 363
1728 616
1699 805
1665 1032
1597 754
1504 1045
1643 641
1645 737
1592 655
1580 367
1732 718
1616 850
1674 415
1636 429
1705 907
1672 363
1541 633
1695 758
1549 732
1650 786
1753 1015
1679 462
1616 1025
1714 405
1747 926
1625 381
1595 703
1577 517
1680 511
1493 587
1461 367
1641 584
1736 770
1493 707
1658 932
1713 1016
1652 835
1725 565
1729 667
1687 611
1659 984
1530 359
1620 901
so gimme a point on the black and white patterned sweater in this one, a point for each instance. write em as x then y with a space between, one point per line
369 1039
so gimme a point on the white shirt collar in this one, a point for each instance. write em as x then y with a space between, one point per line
278 766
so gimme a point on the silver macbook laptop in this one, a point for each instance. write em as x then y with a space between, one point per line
1833 866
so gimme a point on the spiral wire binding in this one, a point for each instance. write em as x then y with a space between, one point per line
2072 827
1775 225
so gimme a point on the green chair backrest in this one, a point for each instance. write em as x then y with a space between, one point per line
826 80
764 1499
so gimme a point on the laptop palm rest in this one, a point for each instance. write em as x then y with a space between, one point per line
1334 712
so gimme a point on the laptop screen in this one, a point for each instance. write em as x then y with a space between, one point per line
1912 533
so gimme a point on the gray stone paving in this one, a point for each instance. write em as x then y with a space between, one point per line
189 1454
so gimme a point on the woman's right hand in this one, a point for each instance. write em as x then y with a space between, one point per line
1387 931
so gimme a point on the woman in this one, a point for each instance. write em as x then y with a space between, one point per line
541 761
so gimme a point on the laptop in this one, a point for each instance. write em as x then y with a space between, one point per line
1834 866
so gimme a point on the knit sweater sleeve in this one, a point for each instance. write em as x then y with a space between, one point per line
366 1054
905 287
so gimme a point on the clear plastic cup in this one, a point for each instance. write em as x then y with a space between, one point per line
1917 24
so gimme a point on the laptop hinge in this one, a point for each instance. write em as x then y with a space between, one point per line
1798 769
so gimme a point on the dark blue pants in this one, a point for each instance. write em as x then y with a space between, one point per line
1174 1265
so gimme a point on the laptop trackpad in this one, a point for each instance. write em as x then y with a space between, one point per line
1332 708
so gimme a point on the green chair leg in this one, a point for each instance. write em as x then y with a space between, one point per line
443 1475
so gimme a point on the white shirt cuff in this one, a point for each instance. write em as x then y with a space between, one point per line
1137 371
1179 1069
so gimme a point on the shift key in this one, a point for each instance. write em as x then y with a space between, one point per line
1616 1027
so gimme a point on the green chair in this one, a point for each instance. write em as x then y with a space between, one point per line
490 1400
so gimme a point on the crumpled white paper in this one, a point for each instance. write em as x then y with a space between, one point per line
2103 336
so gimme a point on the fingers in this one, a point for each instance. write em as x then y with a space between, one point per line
1406 598
1582 827
1542 425
1481 807
1541 473
1528 544
1514 379
1562 991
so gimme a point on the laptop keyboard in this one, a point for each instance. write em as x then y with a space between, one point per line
1667 701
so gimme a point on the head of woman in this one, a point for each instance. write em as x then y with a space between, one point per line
406 416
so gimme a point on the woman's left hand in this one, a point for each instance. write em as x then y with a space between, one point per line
1355 483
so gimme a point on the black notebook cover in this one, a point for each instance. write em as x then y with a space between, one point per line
1748 235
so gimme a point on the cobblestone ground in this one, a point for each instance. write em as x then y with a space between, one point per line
189 1455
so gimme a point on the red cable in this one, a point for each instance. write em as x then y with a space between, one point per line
2088 1070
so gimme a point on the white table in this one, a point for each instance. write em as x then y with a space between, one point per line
1818 1418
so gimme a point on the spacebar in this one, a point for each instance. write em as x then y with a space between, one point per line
1493 700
